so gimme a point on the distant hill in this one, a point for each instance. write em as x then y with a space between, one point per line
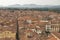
33 6
25 6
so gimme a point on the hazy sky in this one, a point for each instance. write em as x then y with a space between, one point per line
39 2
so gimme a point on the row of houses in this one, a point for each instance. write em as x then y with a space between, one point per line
34 22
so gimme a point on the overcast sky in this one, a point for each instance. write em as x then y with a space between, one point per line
39 2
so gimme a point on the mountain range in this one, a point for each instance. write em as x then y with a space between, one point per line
31 6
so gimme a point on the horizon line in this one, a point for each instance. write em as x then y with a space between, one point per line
31 4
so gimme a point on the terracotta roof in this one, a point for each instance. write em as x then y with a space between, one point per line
51 37
57 34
